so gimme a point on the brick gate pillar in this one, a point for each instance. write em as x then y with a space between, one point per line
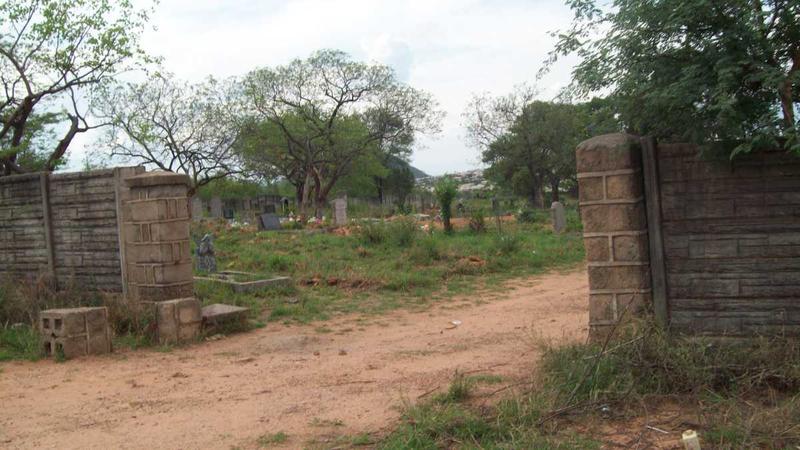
156 218
614 228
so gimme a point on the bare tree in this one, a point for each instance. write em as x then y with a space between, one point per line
487 118
173 125
53 52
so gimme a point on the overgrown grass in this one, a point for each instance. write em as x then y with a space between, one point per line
450 420
741 393
21 342
380 265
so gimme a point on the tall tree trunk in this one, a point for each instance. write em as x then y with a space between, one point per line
554 183
785 91
306 194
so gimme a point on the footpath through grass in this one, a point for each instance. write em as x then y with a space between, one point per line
379 266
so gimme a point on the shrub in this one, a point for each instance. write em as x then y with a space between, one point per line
526 215
403 231
426 250
373 232
477 220
445 191
292 225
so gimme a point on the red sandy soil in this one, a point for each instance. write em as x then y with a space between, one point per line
310 384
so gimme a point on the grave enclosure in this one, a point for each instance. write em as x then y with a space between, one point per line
711 245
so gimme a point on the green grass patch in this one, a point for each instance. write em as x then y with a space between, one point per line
380 266
268 440
22 342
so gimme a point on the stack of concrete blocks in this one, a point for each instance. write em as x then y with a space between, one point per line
614 229
73 332
157 253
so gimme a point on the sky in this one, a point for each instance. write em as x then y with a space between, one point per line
451 48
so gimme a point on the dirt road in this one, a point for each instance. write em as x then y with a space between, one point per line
310 384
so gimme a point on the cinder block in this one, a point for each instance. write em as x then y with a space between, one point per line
619 277
631 248
173 273
632 305
609 152
73 332
608 218
602 308
169 231
154 293
598 249
627 186
590 189
177 320
63 322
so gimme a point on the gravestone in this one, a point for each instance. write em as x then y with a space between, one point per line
269 221
558 216
340 211
197 208
206 260
215 204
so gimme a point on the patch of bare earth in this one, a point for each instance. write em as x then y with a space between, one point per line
312 386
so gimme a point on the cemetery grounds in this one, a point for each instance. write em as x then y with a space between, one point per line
395 335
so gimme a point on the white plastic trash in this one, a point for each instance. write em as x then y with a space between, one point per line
690 440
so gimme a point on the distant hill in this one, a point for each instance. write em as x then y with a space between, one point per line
418 173
468 181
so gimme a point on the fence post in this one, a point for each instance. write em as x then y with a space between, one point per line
614 229
653 202
156 220
47 219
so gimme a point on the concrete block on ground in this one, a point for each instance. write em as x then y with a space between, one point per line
74 332
178 320
220 314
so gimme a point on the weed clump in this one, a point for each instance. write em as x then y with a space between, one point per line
373 232
477 221
507 244
403 231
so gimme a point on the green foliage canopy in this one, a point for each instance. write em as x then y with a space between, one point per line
51 52
695 70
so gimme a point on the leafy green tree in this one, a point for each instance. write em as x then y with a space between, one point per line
539 147
330 111
445 191
699 70
400 182
52 54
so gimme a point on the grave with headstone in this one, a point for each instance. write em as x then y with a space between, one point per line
340 211
206 260
269 221
558 217
215 207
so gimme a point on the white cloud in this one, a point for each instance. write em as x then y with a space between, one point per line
451 48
